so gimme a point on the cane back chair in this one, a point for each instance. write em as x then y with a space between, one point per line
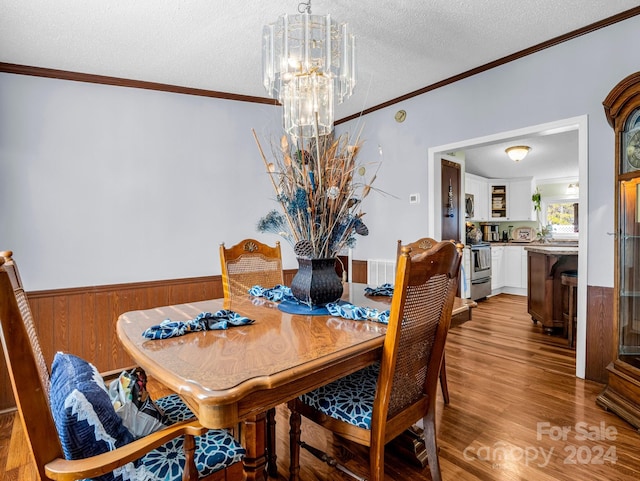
418 247
374 405
183 450
249 263
244 265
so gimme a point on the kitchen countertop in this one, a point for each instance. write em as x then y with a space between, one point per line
537 243
555 244
553 249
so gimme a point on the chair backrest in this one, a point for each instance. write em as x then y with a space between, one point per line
27 370
247 264
417 247
420 316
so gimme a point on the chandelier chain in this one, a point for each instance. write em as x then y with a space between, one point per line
304 6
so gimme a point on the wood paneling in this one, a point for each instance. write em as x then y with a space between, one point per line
599 332
82 320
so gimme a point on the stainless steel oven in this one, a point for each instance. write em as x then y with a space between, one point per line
480 271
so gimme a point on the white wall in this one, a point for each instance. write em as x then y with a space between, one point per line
102 184
568 80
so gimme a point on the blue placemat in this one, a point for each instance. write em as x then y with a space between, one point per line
295 307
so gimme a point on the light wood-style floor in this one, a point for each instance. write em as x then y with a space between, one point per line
517 412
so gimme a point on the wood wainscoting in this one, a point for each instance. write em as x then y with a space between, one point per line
600 349
82 320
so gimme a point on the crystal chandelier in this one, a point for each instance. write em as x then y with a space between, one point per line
308 63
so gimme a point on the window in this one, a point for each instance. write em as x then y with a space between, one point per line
562 216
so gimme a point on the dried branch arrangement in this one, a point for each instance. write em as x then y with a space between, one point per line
320 188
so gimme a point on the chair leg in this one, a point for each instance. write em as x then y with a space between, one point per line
272 467
431 445
443 381
376 461
294 445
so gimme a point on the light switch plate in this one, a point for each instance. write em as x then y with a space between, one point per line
414 198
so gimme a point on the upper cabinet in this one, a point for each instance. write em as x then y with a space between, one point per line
500 199
511 199
479 188
520 205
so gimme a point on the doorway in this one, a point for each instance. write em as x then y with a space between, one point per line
574 123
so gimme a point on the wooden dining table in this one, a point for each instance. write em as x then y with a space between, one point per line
236 375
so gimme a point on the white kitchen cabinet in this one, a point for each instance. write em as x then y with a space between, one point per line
519 203
514 265
524 264
497 275
498 191
510 199
465 277
479 188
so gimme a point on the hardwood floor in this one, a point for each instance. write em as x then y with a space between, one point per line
517 412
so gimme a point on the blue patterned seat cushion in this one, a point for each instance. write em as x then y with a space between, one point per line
349 399
214 451
88 425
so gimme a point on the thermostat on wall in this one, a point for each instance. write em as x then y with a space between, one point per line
414 198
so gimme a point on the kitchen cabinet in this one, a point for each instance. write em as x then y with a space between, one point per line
479 188
498 200
519 203
514 268
510 199
622 393
544 290
497 278
465 277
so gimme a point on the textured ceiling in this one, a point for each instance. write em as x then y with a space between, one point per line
216 45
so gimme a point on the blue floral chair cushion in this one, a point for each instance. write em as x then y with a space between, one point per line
88 425
349 399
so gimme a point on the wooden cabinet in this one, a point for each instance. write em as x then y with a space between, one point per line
622 394
545 265
478 187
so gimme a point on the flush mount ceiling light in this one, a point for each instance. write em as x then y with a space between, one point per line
308 62
518 152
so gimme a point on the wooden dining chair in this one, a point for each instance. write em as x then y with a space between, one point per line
376 404
418 247
244 265
250 263
73 430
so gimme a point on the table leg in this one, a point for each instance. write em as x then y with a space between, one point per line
253 440
272 467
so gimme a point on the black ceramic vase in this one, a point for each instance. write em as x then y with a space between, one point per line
316 283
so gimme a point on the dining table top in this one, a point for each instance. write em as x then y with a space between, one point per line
227 376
